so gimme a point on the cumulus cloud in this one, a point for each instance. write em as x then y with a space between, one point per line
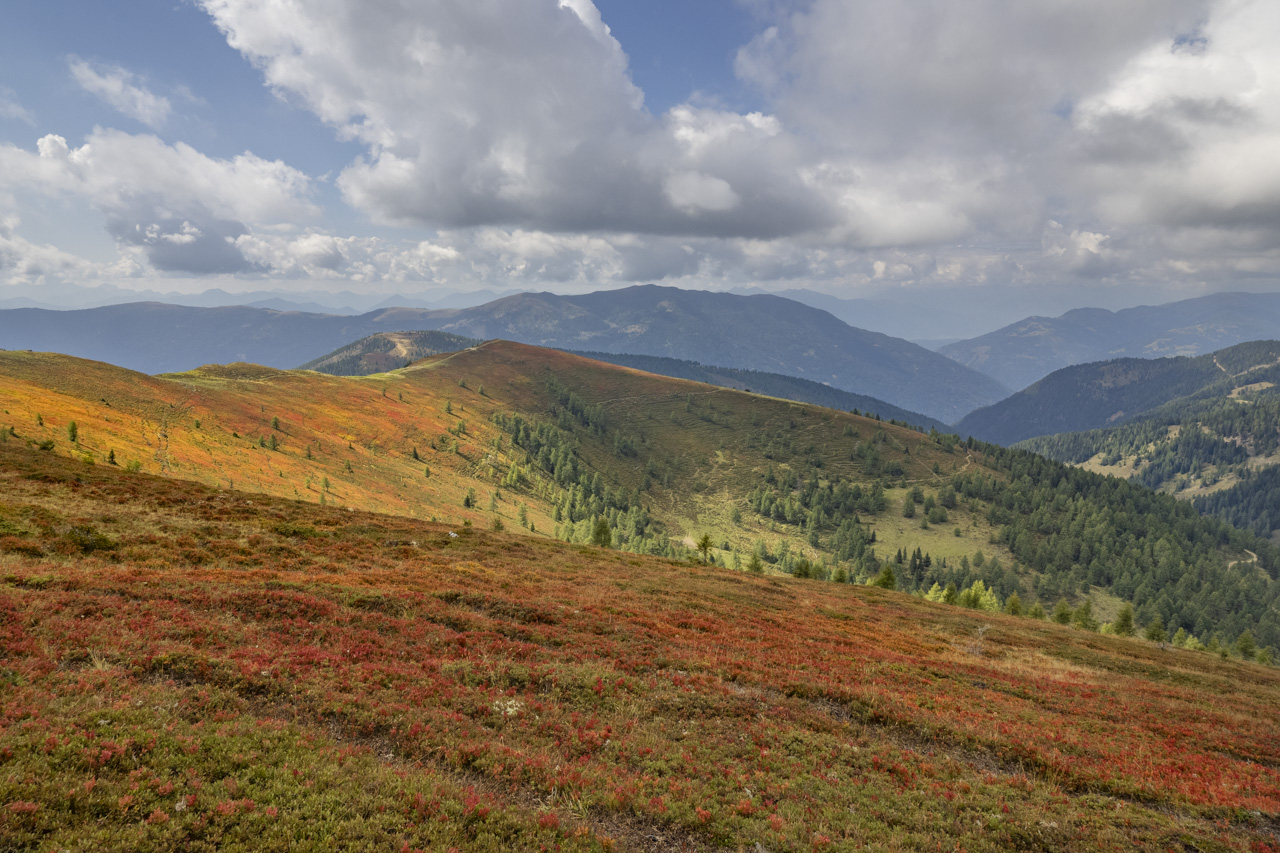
1187 135
182 208
521 114
1152 126
24 262
899 144
122 90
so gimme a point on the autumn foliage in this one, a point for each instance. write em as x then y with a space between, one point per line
190 668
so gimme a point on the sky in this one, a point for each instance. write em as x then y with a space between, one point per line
1045 153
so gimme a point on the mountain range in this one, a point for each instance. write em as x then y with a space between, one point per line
390 350
1107 393
506 434
765 333
1024 352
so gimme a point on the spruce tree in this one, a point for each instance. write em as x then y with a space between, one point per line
1083 617
1062 612
1123 626
601 535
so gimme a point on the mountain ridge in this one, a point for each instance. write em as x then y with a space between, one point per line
1024 352
765 333
511 435
390 350
1106 393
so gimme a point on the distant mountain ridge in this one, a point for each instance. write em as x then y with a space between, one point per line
1026 351
391 350
1108 393
772 385
766 333
763 332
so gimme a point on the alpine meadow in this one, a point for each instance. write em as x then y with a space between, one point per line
514 598
758 426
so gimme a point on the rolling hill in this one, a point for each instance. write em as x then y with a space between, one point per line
193 668
1024 352
765 333
390 350
1106 393
512 436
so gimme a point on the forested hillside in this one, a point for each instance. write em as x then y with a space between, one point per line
1107 393
1215 446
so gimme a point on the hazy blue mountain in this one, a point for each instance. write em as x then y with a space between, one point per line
950 314
1107 393
155 337
452 299
275 303
391 350
761 332
1023 352
766 333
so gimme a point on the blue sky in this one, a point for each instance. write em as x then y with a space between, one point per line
1086 153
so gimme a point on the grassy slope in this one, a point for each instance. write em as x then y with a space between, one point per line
226 671
205 425
386 351
711 439
708 447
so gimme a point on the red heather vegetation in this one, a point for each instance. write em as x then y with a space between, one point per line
183 668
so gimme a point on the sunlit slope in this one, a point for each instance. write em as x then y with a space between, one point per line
512 436
700 448
217 425
190 668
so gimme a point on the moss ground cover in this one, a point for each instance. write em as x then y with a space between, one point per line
187 668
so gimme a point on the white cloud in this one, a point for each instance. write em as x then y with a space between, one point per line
182 208
941 122
1189 137
902 144
517 114
24 262
694 191
10 108
122 90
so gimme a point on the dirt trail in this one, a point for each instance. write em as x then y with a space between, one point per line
1253 558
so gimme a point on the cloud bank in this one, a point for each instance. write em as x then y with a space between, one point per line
909 144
